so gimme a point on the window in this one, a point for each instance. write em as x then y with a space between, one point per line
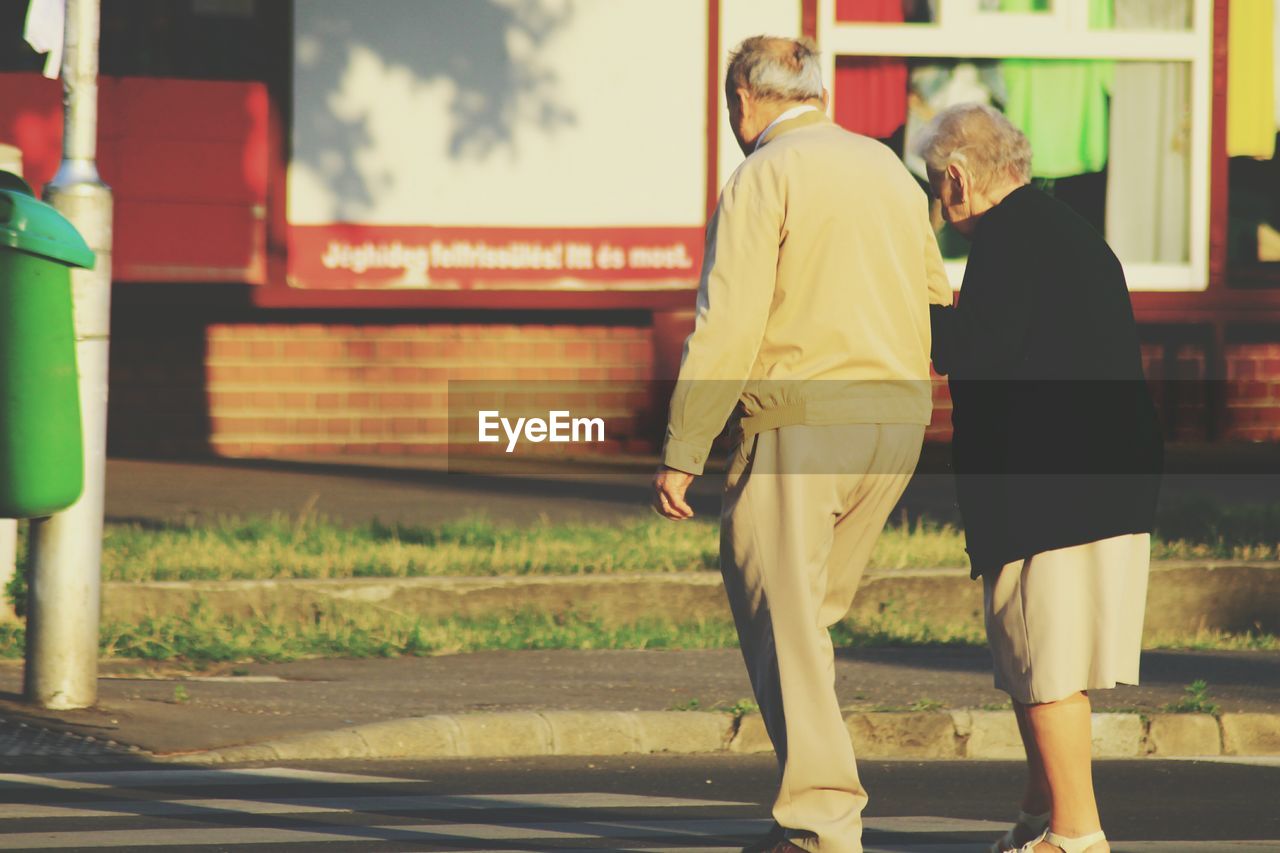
1132 153
195 39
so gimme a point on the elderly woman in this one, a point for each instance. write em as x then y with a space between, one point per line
1057 454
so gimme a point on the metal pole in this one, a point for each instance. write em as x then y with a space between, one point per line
8 565
66 550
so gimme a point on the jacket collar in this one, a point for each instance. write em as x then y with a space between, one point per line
1010 206
807 119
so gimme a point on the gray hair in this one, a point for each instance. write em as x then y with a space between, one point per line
774 69
981 138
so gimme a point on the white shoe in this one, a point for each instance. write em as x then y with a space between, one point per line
1063 843
1027 824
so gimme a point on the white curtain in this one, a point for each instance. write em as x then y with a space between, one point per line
1148 182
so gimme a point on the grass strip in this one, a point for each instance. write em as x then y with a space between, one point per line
202 639
281 547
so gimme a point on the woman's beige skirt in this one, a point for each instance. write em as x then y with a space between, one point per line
1068 620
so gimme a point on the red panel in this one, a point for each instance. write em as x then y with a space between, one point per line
176 241
187 160
860 11
31 118
188 163
190 109
149 169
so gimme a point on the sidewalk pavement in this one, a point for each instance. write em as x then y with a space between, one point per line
900 703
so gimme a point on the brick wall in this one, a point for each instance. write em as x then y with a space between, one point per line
324 389
1253 401
277 389
249 388
1177 373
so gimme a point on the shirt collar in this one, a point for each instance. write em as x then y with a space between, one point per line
786 116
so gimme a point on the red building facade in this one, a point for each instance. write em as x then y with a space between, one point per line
267 303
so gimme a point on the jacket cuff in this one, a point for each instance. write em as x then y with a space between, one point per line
684 456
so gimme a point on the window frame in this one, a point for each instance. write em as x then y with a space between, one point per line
965 31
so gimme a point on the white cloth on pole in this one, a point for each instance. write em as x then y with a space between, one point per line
45 31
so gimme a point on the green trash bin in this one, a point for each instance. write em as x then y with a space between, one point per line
41 445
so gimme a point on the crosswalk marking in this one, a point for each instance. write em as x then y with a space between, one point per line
316 810
343 805
1247 760
933 824
445 832
76 780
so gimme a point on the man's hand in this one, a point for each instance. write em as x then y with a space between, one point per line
669 486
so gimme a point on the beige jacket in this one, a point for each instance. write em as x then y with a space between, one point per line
813 305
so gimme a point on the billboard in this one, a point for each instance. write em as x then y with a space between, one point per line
498 144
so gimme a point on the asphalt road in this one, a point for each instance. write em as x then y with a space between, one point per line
628 803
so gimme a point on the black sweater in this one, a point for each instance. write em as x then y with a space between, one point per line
1055 438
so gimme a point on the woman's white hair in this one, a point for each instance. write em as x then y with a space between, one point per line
775 69
989 145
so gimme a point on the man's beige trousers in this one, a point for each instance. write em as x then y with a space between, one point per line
803 507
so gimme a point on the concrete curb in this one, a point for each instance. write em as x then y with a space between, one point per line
1183 596
959 734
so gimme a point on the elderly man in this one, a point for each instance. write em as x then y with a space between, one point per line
813 317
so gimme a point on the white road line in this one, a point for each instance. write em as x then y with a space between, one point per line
428 833
933 824
132 839
344 805
187 778
1249 760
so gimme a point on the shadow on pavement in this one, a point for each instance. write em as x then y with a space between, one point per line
364 487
